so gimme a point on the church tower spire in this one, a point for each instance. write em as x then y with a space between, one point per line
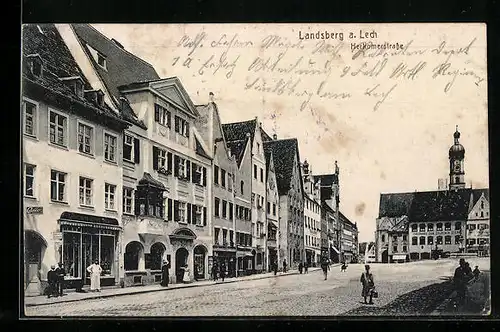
456 155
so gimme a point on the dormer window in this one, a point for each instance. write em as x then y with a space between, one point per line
35 65
100 98
75 83
101 60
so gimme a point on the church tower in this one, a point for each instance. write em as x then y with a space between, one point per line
456 156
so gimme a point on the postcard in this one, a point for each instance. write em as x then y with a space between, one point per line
255 170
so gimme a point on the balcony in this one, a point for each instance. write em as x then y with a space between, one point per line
150 225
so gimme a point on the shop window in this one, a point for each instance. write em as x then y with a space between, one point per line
156 256
72 254
133 253
107 248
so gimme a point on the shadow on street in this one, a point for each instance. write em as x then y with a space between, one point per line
418 302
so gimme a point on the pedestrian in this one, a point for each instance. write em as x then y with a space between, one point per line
52 281
460 280
476 272
95 271
214 271
61 272
300 267
368 284
275 267
343 268
325 266
468 269
284 265
306 267
164 273
222 270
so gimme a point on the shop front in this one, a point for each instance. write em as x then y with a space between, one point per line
244 262
273 257
190 260
229 258
86 239
310 258
335 255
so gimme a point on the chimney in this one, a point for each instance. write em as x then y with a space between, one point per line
275 137
117 43
211 97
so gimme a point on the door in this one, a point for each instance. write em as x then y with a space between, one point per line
181 256
33 259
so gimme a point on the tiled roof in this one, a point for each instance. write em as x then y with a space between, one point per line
199 149
326 207
237 149
122 67
237 131
283 155
476 194
327 179
265 136
346 220
395 204
440 205
59 63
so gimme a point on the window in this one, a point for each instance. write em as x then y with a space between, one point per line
224 237
447 226
430 227
405 237
395 249
261 175
217 207
110 147
422 240
57 128
181 126
162 116
128 148
430 240
394 238
439 227
216 174
258 147
85 138
86 191
181 211
29 180
458 226
253 199
422 227
439 240
482 214
30 118
224 209
268 207
457 239
414 241
242 187
231 238
198 215
101 60
413 227
230 211
128 198
255 171
58 186
383 237
149 201
482 205
274 209
223 178
447 239
36 67
216 236
182 168
109 196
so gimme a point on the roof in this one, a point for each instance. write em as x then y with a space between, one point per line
395 204
199 149
148 180
237 149
326 207
327 179
346 220
283 156
476 195
122 67
237 131
440 205
58 63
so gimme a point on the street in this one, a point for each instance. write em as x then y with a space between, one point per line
408 289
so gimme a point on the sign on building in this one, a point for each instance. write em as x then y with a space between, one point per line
34 210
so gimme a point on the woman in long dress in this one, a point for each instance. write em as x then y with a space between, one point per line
164 274
95 271
368 284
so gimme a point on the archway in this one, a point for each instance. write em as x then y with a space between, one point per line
156 255
34 249
134 253
199 262
385 256
181 258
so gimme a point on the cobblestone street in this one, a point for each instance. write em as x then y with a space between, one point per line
403 288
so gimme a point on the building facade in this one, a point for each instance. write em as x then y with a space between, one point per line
478 223
166 168
273 210
291 199
312 217
348 240
72 166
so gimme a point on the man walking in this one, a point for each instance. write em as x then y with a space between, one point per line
300 267
223 270
325 266
460 280
284 265
60 278
306 267
52 280
368 284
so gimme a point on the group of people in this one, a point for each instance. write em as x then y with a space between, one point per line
219 270
55 278
462 277
303 267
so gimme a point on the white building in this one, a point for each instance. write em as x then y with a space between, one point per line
312 217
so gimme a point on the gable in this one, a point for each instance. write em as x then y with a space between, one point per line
172 90
476 209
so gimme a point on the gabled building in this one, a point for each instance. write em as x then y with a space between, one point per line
250 132
225 173
478 223
349 240
291 197
166 167
72 166
312 217
273 210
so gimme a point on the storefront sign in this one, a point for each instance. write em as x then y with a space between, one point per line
34 210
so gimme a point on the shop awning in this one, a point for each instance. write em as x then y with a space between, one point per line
87 220
398 257
244 254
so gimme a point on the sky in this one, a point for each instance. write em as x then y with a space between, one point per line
388 119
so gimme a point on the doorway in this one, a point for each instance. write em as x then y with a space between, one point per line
199 262
34 248
385 256
181 258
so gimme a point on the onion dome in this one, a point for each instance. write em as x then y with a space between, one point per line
457 151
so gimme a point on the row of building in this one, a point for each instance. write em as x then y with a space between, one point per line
424 225
121 167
